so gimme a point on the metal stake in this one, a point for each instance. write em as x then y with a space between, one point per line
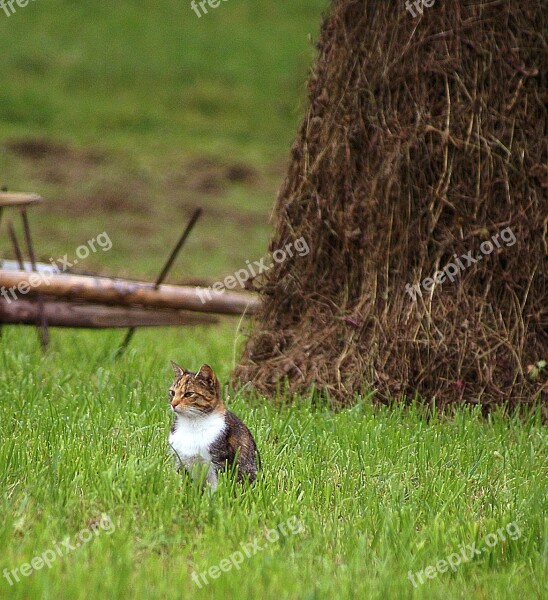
163 274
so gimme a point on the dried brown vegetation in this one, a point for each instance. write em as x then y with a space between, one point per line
423 138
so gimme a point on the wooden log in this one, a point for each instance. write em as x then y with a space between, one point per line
19 199
93 316
122 292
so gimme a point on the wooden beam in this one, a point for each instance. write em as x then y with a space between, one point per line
95 316
122 292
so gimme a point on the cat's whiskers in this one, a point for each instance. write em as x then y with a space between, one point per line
189 412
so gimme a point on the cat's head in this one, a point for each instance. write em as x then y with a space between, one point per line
195 394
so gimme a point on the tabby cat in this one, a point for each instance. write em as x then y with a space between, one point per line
205 436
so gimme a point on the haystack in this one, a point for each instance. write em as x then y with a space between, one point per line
425 139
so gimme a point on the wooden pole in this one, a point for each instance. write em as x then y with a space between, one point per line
16 247
41 322
93 316
123 292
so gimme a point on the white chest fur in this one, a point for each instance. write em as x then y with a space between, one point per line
192 438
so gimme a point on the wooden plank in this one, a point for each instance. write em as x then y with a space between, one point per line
122 292
19 199
92 316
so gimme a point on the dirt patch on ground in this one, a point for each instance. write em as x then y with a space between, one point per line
220 213
54 162
132 196
90 183
38 149
203 180
87 179
204 175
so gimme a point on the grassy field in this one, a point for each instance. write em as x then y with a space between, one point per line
125 116
377 492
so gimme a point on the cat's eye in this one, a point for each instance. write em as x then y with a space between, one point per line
187 395
172 393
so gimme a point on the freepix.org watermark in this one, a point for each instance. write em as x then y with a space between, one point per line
203 6
466 553
452 270
8 5
298 247
44 275
291 527
60 549
419 5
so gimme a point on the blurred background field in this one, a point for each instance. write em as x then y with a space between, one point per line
126 115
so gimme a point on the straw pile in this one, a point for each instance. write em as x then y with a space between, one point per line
424 138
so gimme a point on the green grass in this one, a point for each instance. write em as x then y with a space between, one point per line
378 491
147 76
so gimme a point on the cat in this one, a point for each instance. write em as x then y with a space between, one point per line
205 435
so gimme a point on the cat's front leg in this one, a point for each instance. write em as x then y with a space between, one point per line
212 478
179 464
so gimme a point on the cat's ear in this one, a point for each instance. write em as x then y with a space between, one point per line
179 371
207 375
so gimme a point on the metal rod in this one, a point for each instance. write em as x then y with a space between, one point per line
195 216
42 324
163 274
